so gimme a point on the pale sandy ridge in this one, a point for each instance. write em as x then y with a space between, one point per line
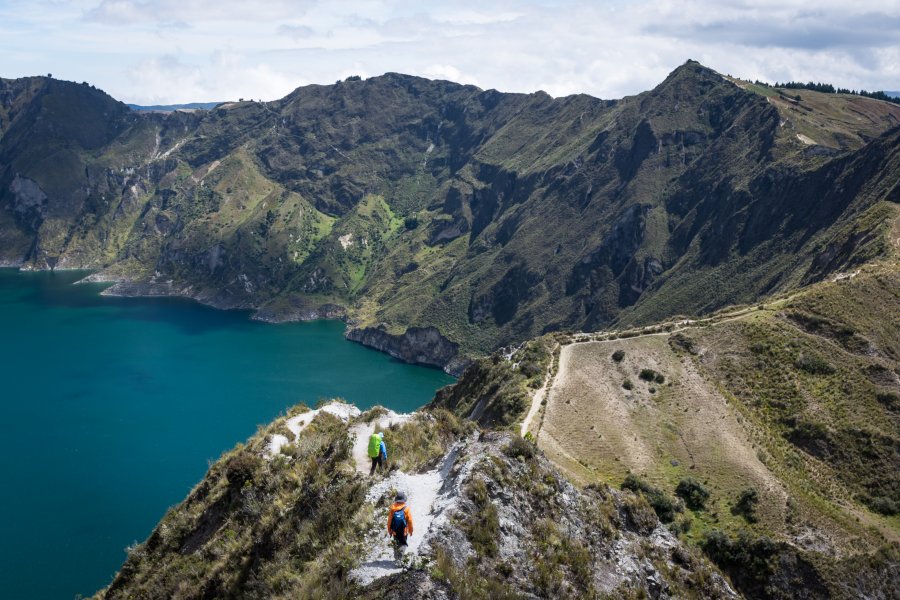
298 423
422 490
361 433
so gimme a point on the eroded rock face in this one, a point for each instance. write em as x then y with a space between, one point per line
422 345
30 200
505 514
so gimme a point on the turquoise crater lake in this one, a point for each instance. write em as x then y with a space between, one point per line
113 408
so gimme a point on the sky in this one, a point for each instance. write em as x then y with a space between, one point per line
173 51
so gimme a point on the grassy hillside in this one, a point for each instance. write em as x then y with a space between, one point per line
770 428
402 202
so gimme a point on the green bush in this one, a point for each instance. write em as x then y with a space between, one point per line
627 384
618 355
746 505
749 560
242 468
693 493
661 503
482 527
520 447
813 364
890 400
640 515
647 374
883 505
679 340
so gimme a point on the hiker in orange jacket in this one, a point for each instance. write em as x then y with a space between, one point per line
400 524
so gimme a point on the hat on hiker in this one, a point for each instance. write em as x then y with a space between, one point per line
400 497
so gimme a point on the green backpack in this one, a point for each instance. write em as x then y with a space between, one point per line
374 445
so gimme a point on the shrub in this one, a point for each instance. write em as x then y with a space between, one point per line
662 504
241 468
747 559
647 374
679 340
627 384
520 447
467 582
693 493
618 355
746 505
640 515
890 400
482 527
813 364
557 553
883 505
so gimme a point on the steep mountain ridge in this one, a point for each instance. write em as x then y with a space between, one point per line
304 522
398 202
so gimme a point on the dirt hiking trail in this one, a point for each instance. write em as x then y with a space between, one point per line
422 492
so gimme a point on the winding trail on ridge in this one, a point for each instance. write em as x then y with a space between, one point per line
428 504
539 395
423 491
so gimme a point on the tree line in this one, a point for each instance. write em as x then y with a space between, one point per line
827 88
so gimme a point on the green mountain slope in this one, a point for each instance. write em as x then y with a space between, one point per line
477 217
767 434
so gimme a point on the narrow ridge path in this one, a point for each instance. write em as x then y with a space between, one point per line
422 491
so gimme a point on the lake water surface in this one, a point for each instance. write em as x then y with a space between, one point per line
113 407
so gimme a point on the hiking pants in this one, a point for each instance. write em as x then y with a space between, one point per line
399 545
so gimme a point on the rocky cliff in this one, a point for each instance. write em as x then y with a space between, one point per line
423 345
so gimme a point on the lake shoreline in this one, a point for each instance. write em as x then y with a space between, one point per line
418 346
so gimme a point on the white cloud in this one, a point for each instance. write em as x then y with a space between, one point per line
225 76
174 50
118 12
449 73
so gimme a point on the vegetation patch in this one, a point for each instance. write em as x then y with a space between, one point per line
563 567
482 526
259 529
499 386
694 493
663 505
468 582
649 375
418 444
746 504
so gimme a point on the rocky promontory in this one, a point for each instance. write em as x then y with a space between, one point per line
421 345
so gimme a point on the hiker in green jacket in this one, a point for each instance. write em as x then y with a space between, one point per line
376 442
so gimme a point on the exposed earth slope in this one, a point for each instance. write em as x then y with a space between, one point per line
474 218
